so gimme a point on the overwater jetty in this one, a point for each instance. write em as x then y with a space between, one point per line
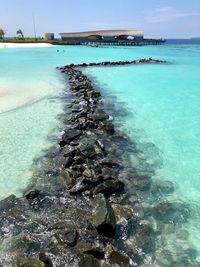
105 38
87 203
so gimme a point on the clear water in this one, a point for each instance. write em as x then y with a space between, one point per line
164 105
163 101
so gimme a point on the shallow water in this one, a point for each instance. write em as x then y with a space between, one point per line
162 100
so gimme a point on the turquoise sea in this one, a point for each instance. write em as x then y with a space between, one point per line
163 104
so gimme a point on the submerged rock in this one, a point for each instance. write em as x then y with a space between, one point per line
116 258
103 216
172 212
109 187
67 235
22 262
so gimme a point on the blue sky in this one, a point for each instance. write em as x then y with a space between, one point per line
158 18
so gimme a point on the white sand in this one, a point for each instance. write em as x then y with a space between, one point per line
23 45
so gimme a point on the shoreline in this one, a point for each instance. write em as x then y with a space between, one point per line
80 202
4 45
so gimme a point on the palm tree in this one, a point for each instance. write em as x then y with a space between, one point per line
19 32
2 33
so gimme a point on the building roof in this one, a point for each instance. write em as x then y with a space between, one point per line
103 33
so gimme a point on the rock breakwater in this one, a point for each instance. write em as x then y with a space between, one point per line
87 204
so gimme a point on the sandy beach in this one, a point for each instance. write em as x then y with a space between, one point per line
23 45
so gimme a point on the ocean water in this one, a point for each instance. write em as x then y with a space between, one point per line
163 102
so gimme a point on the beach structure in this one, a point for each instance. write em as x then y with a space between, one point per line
49 36
108 37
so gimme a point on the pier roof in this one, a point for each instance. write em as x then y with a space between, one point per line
104 33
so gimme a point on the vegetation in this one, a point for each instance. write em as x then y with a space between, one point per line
2 33
19 32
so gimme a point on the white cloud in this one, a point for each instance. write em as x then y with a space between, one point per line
167 13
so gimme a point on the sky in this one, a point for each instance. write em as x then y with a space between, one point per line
158 18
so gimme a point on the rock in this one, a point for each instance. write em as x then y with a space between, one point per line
98 115
89 261
87 149
171 212
22 262
109 161
122 211
159 186
80 186
142 239
32 194
141 182
109 187
68 178
103 216
91 248
107 127
69 135
117 258
69 161
68 235
8 202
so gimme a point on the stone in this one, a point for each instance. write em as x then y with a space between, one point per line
23 262
116 258
109 187
68 178
68 235
89 261
69 135
98 115
142 239
107 127
142 182
109 161
87 149
103 217
122 211
171 212
32 194
91 248
160 186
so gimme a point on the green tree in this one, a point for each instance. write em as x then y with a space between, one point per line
19 32
2 33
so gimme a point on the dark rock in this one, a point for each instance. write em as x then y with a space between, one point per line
159 186
68 178
68 235
142 240
80 186
69 161
141 182
108 127
22 262
45 259
103 216
91 248
122 211
172 212
32 194
109 161
69 151
69 136
89 261
117 258
109 187
98 115
87 149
